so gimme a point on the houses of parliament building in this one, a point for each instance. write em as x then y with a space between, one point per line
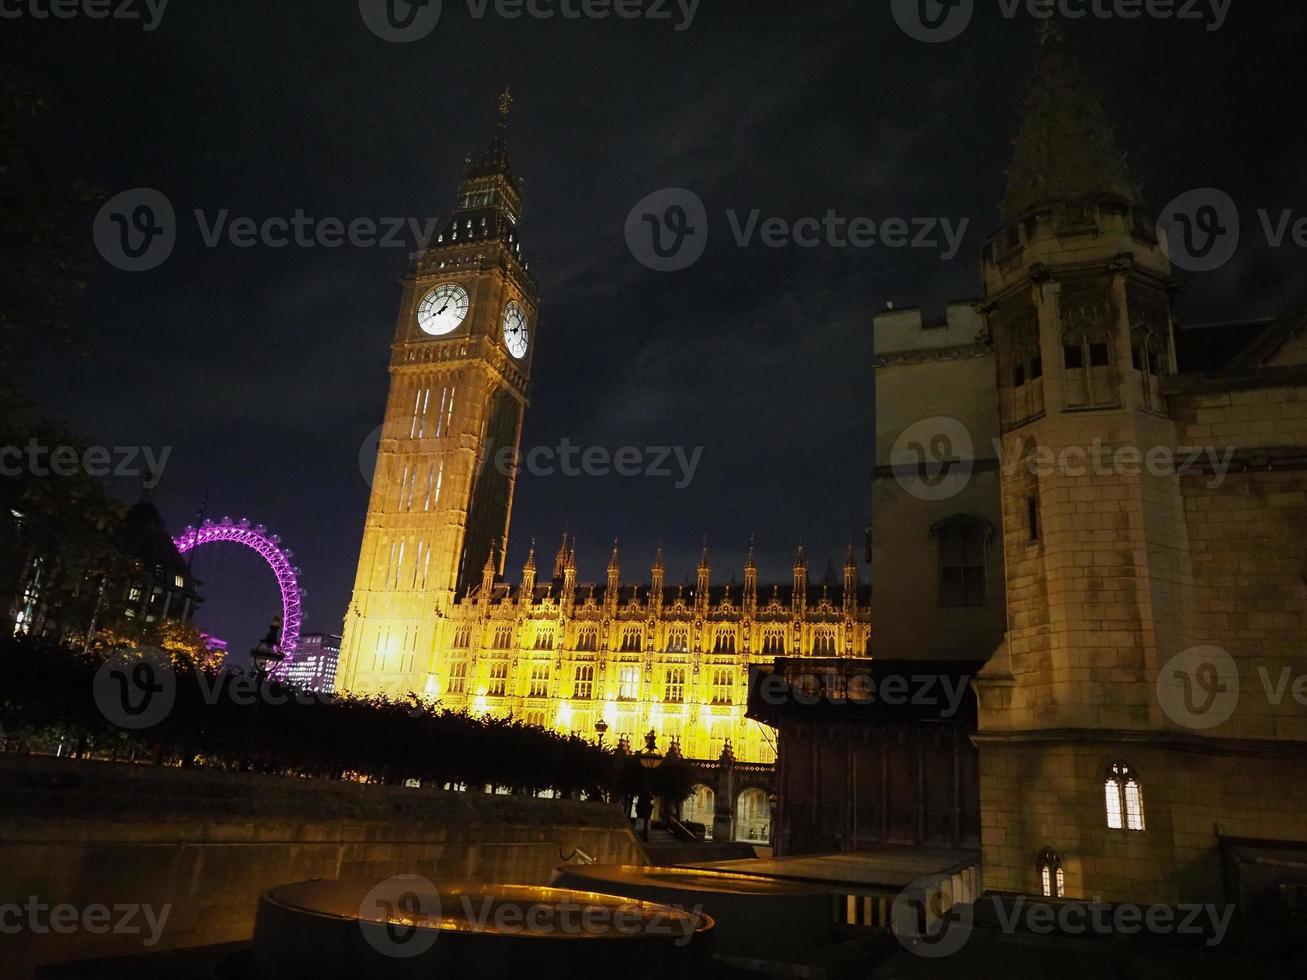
431 612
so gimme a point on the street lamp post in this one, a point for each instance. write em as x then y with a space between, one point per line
267 651
601 729
650 759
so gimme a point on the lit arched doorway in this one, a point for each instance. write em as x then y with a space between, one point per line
699 807
753 817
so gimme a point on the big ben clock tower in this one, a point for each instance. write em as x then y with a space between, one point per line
459 371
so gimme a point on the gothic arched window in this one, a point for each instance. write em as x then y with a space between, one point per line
1087 327
1052 882
678 640
1024 367
1147 355
1124 798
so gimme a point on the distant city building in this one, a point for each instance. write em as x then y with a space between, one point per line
312 666
149 583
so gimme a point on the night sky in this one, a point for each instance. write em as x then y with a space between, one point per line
264 369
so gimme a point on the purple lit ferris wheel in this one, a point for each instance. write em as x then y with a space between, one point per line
268 546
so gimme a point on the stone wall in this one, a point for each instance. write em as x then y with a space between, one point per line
207 844
1052 795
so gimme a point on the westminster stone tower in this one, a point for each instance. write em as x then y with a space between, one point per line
1078 295
459 371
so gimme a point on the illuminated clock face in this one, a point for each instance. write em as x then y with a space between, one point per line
516 335
443 310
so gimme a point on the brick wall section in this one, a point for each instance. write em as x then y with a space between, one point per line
209 844
1248 535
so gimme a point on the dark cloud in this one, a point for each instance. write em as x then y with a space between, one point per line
266 368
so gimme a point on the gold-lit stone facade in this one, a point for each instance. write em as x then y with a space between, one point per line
459 369
563 655
430 614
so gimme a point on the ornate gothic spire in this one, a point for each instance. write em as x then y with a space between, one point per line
494 161
1066 149
560 559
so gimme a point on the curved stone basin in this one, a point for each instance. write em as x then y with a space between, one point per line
408 926
756 917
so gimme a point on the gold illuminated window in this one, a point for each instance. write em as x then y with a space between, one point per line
773 642
584 682
458 677
723 685
629 683
675 687
544 638
632 639
823 644
1052 882
539 681
724 642
498 680
1124 798
588 639
678 640
503 637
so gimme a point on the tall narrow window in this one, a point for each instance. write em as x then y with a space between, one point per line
1032 516
1124 798
629 683
583 685
1052 881
723 685
674 690
678 640
963 543
539 681
632 639
458 677
498 680
587 639
724 641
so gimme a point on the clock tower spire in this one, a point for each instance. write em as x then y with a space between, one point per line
459 383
